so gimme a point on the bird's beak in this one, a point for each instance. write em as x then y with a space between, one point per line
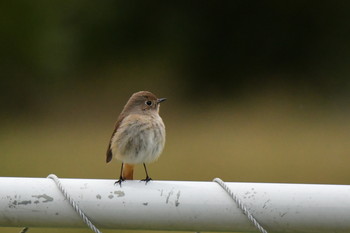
161 100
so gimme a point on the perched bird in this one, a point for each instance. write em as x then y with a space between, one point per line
139 134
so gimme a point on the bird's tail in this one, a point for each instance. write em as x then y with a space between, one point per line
128 171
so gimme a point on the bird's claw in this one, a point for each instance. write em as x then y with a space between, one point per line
147 179
121 179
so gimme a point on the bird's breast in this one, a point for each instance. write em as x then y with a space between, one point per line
139 139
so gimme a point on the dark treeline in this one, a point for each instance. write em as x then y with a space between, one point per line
222 46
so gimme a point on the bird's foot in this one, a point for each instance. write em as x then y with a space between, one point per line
147 179
121 179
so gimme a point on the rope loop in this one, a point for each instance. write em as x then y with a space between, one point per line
75 206
240 205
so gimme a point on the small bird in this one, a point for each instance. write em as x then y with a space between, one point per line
139 134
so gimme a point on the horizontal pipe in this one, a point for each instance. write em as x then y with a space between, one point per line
175 205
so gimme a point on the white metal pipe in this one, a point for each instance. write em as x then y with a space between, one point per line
175 205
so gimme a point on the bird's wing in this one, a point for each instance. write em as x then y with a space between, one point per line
109 154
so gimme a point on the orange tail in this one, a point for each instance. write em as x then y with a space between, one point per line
128 171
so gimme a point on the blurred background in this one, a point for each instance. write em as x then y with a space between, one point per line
258 91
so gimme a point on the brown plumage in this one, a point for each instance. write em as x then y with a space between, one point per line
139 134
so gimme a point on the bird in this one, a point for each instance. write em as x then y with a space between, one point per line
138 136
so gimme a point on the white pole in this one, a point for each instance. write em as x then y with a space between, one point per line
175 205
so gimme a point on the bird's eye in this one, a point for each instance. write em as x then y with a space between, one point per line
149 103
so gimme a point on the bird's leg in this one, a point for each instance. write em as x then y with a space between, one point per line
147 179
121 179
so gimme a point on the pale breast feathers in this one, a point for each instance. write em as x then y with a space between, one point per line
138 139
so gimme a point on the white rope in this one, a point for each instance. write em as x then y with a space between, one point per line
240 205
74 204
24 230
